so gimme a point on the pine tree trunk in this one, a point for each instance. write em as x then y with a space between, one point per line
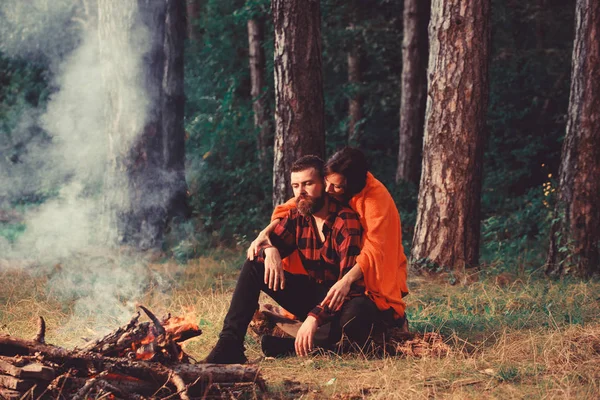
146 222
142 68
192 14
575 235
257 74
299 114
173 108
413 91
123 115
355 105
448 217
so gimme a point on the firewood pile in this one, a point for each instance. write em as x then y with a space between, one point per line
142 360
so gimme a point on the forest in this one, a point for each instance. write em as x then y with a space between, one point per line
145 143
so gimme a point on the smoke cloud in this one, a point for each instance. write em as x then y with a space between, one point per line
72 226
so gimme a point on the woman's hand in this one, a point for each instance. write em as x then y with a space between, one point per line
338 292
336 295
305 336
261 240
274 276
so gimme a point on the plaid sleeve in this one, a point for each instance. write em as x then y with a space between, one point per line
347 243
283 237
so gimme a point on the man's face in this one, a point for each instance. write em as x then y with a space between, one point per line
309 191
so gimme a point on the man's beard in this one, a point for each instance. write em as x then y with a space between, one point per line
308 205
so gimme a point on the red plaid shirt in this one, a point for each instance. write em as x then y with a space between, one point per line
325 262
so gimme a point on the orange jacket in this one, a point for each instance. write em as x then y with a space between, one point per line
382 259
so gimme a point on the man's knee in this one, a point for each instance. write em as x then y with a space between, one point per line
252 268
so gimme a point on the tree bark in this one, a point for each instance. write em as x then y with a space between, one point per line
192 15
123 113
355 105
143 74
448 217
173 104
299 113
414 88
257 77
575 233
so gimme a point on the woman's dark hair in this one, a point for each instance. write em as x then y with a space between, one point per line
352 164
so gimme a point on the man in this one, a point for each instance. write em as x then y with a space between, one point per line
327 236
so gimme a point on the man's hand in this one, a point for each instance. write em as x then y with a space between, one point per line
274 276
336 295
305 336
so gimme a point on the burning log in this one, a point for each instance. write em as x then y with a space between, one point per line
139 360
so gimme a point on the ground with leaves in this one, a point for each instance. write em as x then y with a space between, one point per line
512 335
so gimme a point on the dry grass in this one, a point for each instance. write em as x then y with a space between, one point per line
525 338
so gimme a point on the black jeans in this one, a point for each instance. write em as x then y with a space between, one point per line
357 318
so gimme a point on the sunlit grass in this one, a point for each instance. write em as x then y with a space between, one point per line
518 337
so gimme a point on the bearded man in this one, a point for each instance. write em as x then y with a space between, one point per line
327 236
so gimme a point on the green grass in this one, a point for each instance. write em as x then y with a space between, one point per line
518 337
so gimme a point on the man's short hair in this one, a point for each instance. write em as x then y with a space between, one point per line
352 164
309 161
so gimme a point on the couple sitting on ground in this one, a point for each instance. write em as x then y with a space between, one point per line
332 255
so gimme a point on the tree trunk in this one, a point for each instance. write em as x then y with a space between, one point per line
447 229
299 114
123 114
355 106
145 184
540 32
149 193
413 91
257 77
173 130
575 234
192 15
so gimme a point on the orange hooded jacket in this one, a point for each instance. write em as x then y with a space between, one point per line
382 259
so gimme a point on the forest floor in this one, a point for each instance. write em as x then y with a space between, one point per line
512 335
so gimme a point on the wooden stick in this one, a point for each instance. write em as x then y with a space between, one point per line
41 333
180 385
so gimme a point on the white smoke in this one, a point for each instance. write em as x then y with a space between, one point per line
69 228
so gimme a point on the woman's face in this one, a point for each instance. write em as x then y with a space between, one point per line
335 185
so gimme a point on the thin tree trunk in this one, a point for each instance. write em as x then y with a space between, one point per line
447 229
192 14
540 31
257 77
575 234
355 106
143 73
147 158
299 114
124 119
413 91
173 107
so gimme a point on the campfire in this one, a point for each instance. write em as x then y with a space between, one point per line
140 360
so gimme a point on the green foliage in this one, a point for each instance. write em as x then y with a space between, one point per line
518 237
231 195
11 231
24 90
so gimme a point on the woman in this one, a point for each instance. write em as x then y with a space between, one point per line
381 263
